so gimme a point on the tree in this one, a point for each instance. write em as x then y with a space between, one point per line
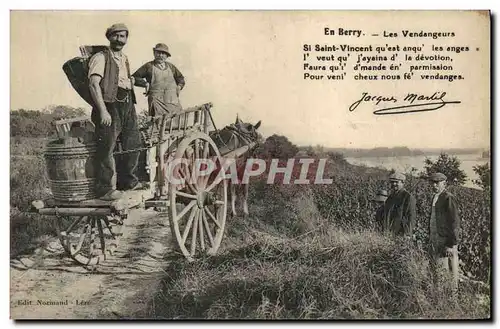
310 151
484 173
336 157
448 165
277 147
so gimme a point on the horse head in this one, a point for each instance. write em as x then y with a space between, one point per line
248 130
236 135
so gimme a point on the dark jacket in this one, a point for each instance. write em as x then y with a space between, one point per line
379 217
447 221
145 74
400 213
109 83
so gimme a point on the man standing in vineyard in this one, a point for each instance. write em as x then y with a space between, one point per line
400 208
444 226
379 200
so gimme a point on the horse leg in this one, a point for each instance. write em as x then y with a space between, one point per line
245 199
233 199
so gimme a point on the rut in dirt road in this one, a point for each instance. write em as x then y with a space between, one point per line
119 288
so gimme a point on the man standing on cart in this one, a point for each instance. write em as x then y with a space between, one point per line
163 82
113 114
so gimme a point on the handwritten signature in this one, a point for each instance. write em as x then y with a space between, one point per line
431 103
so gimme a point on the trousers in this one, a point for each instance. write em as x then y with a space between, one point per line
448 266
122 175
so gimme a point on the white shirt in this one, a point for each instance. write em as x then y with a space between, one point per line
98 62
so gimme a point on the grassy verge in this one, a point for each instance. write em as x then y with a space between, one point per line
295 265
27 183
332 275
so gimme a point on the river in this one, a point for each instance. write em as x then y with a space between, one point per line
405 163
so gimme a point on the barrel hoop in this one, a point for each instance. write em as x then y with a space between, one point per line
73 193
74 198
70 150
72 156
70 182
81 190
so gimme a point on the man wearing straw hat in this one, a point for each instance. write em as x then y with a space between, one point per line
444 226
113 114
163 82
400 208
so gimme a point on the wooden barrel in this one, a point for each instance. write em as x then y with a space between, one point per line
70 169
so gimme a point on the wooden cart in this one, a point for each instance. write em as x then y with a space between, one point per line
89 228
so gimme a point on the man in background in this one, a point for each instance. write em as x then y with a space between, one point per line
400 208
444 226
379 200
163 82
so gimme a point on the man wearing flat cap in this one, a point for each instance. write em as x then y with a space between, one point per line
163 82
400 208
444 226
114 115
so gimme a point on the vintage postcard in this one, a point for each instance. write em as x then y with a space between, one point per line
250 165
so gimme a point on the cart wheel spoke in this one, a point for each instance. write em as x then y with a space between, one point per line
93 228
101 237
186 176
206 149
207 228
188 225
212 217
189 171
185 210
200 228
197 149
193 236
187 195
83 235
75 222
215 183
82 243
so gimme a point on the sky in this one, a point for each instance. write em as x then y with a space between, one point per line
250 63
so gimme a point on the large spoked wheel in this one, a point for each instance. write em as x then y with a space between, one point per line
89 240
198 201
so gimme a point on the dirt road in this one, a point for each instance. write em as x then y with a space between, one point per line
49 285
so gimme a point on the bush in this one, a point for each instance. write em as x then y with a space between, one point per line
484 173
277 147
28 123
448 165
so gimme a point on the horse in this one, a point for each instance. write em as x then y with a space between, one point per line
230 138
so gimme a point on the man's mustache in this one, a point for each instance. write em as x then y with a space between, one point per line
119 43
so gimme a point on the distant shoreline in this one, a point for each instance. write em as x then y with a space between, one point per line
367 155
386 152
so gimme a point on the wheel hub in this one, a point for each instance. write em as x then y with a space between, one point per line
205 199
200 199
